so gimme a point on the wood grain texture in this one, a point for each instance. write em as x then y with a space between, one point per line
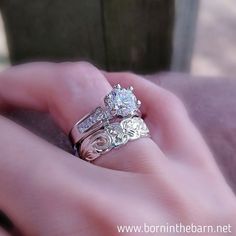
54 30
138 34
115 35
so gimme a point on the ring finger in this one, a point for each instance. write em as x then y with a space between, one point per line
69 91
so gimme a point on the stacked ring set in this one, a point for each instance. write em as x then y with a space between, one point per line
109 126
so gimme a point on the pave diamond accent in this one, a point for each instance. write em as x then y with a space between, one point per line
121 102
91 120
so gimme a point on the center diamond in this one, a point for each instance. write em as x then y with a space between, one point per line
121 102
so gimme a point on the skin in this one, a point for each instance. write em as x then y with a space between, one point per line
46 191
204 98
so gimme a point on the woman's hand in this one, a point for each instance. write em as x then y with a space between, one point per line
170 178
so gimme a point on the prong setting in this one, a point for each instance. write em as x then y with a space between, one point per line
117 86
131 88
139 103
121 102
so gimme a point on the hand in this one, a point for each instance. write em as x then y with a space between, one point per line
170 178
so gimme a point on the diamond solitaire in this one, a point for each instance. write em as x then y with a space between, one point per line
121 102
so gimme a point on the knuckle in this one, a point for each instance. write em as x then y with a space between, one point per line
65 73
71 75
84 64
69 71
129 75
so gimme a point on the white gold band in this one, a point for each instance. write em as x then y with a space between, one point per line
111 136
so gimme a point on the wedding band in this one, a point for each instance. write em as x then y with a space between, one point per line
111 136
119 103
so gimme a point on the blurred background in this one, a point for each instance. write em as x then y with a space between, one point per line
213 48
215 44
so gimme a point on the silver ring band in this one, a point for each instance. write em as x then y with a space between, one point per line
111 136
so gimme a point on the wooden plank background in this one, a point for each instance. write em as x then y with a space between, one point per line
54 30
138 34
116 35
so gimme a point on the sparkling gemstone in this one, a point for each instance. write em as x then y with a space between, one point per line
98 115
84 126
93 118
121 102
134 127
117 135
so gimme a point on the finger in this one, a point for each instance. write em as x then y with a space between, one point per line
34 173
54 88
167 118
24 158
69 91
44 193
